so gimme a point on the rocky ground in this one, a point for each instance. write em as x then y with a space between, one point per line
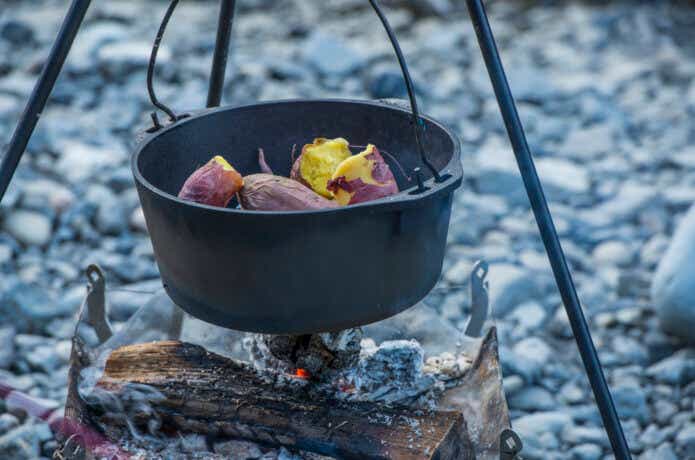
606 94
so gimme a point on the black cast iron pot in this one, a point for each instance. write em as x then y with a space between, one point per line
296 272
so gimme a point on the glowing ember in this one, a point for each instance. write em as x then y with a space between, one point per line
302 374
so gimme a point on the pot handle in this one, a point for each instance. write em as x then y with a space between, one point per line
417 122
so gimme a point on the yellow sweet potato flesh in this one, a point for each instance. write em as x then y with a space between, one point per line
318 162
362 177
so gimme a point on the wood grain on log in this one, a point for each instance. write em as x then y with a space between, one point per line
205 393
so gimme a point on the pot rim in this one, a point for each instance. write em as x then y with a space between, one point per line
453 168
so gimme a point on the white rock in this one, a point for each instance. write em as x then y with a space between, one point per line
542 422
331 56
529 316
673 290
29 227
614 253
497 173
121 56
511 286
48 191
79 161
8 106
561 176
137 220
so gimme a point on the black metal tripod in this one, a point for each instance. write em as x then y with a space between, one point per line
563 278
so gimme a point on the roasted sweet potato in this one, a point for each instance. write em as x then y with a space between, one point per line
265 192
316 164
362 177
214 184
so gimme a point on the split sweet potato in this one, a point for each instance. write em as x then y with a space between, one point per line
266 192
362 177
318 161
214 184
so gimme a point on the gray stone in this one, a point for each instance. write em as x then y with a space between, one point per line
8 422
613 253
511 286
16 32
7 351
685 439
677 369
589 142
562 178
631 402
663 452
331 56
79 161
631 199
122 57
29 307
664 410
571 393
542 422
8 106
83 55
574 434
586 452
672 291
112 213
497 173
29 227
22 443
387 83
532 399
653 250
529 316
137 220
630 351
126 300
37 193
6 253
529 357
46 358
512 384
654 436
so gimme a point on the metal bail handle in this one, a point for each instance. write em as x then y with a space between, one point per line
416 120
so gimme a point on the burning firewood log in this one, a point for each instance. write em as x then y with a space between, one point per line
195 391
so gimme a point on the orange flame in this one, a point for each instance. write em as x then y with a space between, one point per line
302 374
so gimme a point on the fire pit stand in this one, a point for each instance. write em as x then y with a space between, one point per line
513 124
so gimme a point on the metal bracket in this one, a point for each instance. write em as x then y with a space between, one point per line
510 445
96 303
480 304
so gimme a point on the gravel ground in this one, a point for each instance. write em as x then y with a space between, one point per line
606 93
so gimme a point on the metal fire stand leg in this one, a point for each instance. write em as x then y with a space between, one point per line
546 226
42 91
219 60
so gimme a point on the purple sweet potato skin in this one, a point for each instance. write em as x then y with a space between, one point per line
361 191
295 173
381 172
211 184
262 163
266 192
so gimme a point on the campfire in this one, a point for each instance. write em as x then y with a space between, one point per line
347 394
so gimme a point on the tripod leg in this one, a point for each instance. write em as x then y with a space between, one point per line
41 92
563 278
219 60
